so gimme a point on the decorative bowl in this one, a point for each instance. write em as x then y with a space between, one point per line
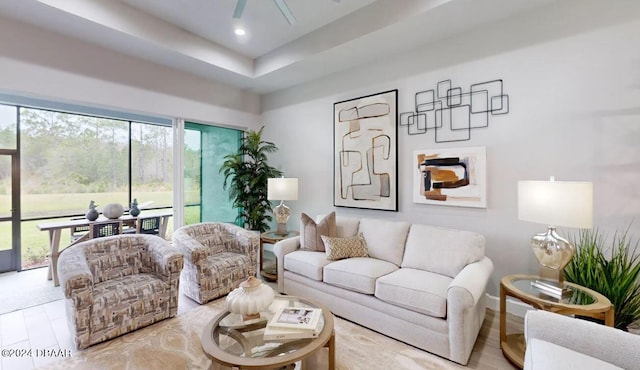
112 210
249 299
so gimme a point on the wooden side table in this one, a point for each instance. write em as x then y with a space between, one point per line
582 301
271 237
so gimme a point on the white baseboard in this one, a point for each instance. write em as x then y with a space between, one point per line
514 306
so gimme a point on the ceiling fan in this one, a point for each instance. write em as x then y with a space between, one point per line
281 4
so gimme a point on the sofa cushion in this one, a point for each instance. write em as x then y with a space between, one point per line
340 248
385 239
345 226
306 263
440 250
358 274
310 231
417 290
543 355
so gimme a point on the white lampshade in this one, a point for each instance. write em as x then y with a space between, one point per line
556 203
282 188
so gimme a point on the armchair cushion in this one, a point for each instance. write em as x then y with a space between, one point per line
128 303
222 269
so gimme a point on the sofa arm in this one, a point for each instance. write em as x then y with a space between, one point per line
466 305
162 259
469 286
599 341
192 249
75 276
281 249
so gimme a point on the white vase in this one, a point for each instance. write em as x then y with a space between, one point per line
113 210
249 299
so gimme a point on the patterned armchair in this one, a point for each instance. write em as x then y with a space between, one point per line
117 284
218 257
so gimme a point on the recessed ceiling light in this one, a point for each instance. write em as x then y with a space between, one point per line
240 32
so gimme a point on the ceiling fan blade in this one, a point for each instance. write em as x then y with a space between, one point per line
286 12
239 9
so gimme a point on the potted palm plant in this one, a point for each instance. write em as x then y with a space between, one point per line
611 271
245 174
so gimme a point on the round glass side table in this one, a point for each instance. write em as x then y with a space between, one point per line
577 301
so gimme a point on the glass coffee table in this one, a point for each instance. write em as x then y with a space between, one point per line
231 342
579 301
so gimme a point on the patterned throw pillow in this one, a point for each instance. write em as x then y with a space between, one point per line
310 231
340 248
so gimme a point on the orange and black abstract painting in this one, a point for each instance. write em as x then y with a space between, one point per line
452 176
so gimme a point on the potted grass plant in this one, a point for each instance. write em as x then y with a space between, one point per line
612 271
245 174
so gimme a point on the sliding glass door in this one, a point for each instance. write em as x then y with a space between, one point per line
204 150
9 190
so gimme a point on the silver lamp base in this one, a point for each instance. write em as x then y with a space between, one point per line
553 253
282 213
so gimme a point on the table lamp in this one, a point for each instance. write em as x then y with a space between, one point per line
282 189
555 203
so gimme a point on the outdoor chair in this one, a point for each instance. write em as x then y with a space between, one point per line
105 228
78 232
115 285
218 257
146 225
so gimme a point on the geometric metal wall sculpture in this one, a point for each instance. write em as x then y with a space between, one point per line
452 113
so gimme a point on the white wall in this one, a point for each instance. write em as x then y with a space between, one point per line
574 113
42 64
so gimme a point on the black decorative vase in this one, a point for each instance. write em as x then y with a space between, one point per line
92 213
134 210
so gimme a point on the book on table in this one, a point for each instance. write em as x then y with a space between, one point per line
274 333
299 318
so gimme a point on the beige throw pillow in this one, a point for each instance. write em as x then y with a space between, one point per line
310 231
340 248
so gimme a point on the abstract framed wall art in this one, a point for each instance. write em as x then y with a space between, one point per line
366 152
450 177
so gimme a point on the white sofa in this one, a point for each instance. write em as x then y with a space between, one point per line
422 285
557 342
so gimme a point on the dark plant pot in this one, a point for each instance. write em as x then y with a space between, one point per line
92 214
134 211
